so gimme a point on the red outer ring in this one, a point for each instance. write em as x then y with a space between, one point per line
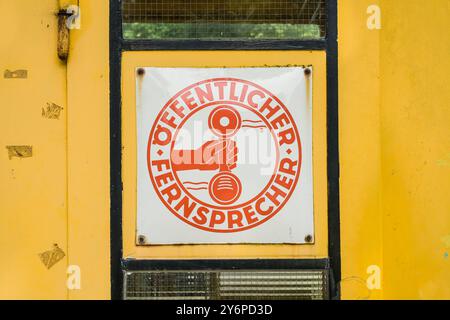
290 119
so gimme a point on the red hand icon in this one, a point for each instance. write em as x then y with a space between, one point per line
225 187
212 155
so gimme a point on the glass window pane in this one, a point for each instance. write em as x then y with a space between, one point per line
224 19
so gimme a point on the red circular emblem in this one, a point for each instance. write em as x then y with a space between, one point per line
224 155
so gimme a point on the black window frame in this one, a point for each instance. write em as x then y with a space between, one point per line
118 45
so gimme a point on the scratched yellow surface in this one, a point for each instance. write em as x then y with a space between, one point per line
60 195
33 190
394 151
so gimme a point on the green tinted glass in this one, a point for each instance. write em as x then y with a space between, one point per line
224 20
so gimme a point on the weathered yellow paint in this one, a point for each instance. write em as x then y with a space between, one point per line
132 60
88 151
33 205
61 194
359 144
415 140
394 150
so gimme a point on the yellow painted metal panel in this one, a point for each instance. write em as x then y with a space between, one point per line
415 140
34 211
33 187
131 60
88 151
359 147
394 150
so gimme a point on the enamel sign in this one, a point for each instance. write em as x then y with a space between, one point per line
224 155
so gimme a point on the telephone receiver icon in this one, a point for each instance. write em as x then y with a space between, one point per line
225 187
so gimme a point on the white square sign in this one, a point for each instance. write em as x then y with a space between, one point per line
224 155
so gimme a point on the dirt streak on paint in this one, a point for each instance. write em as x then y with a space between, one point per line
308 77
140 72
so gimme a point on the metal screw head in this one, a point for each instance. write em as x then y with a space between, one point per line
307 71
141 71
141 240
308 238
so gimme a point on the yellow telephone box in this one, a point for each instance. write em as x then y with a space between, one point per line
224 149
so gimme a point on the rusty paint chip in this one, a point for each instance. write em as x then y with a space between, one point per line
20 151
51 257
17 74
52 111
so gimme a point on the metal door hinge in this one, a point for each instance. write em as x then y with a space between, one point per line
68 18
63 35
